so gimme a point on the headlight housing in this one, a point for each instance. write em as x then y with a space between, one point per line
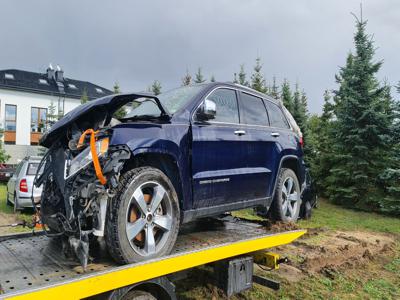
83 159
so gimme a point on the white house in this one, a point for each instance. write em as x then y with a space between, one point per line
25 98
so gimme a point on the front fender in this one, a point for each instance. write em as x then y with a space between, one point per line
169 139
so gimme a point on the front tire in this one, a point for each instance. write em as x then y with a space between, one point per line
143 217
287 201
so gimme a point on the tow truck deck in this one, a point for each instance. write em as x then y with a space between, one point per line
34 267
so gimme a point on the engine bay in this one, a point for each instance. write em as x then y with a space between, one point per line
80 171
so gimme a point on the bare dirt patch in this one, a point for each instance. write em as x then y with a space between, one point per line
329 252
7 219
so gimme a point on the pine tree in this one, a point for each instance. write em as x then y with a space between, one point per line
390 177
3 154
297 105
235 80
242 76
361 139
257 78
274 90
187 79
286 96
318 144
156 87
121 112
212 79
116 88
52 117
84 96
199 77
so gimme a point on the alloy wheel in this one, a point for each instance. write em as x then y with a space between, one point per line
290 199
149 218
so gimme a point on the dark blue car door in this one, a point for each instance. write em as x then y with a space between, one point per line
282 135
262 149
218 153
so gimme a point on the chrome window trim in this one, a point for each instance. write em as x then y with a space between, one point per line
201 102
241 124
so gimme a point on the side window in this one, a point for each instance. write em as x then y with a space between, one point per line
253 110
226 105
276 116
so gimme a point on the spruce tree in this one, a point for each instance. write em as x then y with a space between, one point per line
296 104
361 140
4 157
274 90
187 79
156 87
390 177
235 80
121 112
319 142
51 115
286 96
242 76
257 78
212 79
199 78
116 88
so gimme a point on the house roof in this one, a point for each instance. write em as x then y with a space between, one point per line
42 83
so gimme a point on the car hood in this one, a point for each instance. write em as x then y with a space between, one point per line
108 104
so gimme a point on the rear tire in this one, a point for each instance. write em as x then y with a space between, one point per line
16 208
287 201
143 217
9 203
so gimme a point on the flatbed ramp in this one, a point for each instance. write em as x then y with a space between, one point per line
34 266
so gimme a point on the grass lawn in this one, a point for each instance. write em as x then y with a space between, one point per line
338 218
7 215
378 278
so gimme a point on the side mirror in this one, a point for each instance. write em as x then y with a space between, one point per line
207 111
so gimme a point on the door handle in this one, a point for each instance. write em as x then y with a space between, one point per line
275 134
240 132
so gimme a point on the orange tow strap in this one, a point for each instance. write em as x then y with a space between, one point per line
95 157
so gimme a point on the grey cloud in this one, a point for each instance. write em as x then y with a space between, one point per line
135 42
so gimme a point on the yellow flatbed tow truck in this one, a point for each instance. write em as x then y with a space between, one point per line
33 266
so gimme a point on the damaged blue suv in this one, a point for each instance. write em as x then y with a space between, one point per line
134 167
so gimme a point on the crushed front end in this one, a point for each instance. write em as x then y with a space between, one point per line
78 177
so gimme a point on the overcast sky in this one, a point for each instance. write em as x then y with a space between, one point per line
136 42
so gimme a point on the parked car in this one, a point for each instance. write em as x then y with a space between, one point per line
6 172
20 185
136 175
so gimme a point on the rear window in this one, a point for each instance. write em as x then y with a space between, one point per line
276 116
32 168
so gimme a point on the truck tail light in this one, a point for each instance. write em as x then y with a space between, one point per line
23 186
301 142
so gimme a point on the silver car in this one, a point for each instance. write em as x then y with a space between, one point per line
20 185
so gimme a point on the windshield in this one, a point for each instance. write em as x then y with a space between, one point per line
172 100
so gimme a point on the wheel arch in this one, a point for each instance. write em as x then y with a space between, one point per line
291 162
164 161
